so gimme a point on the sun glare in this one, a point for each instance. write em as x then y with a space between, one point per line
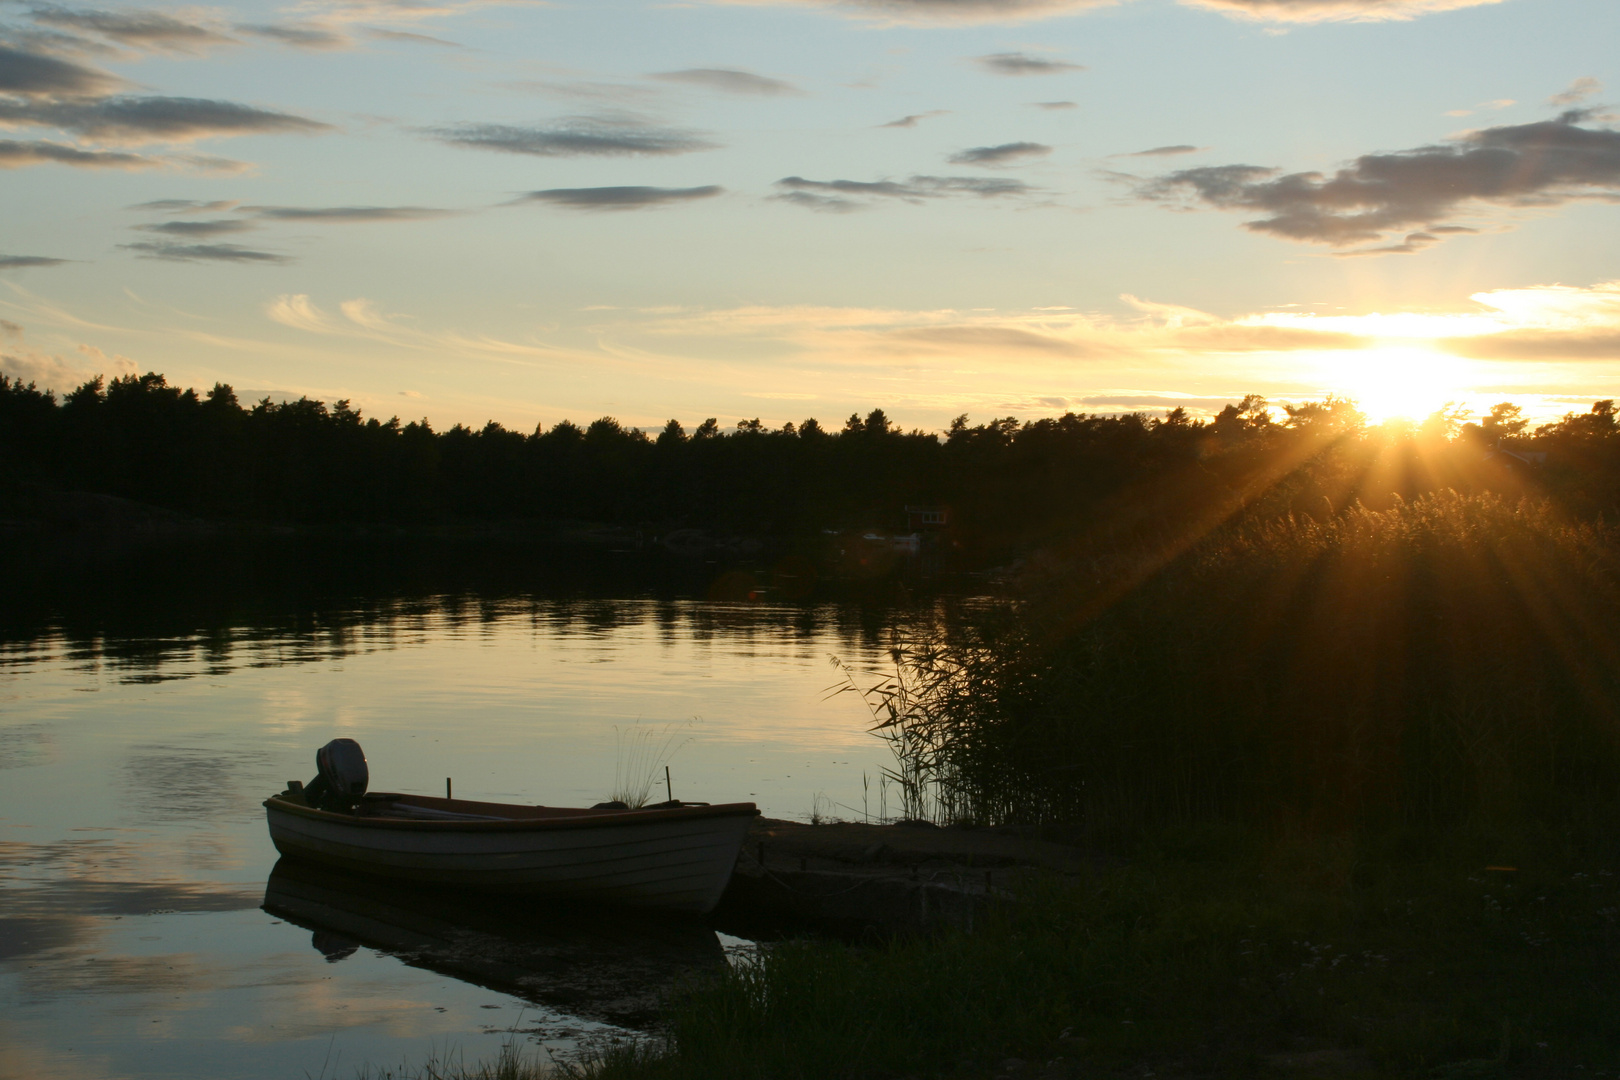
1396 382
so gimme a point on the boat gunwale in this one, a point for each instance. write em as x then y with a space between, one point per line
568 818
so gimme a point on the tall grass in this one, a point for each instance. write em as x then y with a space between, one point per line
641 754
1451 659
1211 955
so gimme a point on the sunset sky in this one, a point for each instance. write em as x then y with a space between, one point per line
526 212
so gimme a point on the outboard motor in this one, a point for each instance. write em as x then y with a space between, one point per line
341 782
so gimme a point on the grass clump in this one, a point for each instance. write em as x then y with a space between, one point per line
641 755
1212 954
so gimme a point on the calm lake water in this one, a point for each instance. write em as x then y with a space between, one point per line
134 858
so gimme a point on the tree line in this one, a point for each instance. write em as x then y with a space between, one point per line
1001 480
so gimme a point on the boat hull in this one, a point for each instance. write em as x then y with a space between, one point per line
678 860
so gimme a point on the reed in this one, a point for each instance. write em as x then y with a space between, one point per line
1449 660
640 758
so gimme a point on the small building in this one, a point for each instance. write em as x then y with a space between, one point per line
926 517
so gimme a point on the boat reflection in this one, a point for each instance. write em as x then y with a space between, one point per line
608 966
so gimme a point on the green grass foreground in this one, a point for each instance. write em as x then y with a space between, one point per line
1206 956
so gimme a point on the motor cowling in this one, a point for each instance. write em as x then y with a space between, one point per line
341 778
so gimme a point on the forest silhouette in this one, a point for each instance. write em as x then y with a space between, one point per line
1008 486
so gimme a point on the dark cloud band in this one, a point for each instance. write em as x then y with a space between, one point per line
179 252
197 229
845 195
621 198
23 72
15 154
150 30
1540 164
143 119
1017 63
346 215
583 137
1013 153
23 262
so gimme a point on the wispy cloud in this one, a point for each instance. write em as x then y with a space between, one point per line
147 31
912 120
1414 192
186 206
1313 11
170 251
310 36
1054 105
942 12
346 215
197 229
405 37
576 137
1013 153
1167 151
52 371
154 119
1017 63
15 154
840 196
24 72
729 81
621 198
24 262
1576 92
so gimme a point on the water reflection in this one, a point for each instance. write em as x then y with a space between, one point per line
612 968
146 710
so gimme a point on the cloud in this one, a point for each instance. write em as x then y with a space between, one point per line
845 195
178 252
14 154
23 262
1577 92
407 38
911 121
134 29
152 119
1013 153
991 338
186 206
942 12
23 72
1017 63
1056 105
1537 165
50 371
575 137
346 215
621 198
1167 151
311 36
1314 11
729 81
1546 322
194 229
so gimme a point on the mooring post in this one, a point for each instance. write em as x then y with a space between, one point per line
447 787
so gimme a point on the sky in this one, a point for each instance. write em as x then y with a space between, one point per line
525 212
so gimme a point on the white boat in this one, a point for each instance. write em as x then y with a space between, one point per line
675 856
678 858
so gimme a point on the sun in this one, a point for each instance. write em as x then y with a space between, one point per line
1396 381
